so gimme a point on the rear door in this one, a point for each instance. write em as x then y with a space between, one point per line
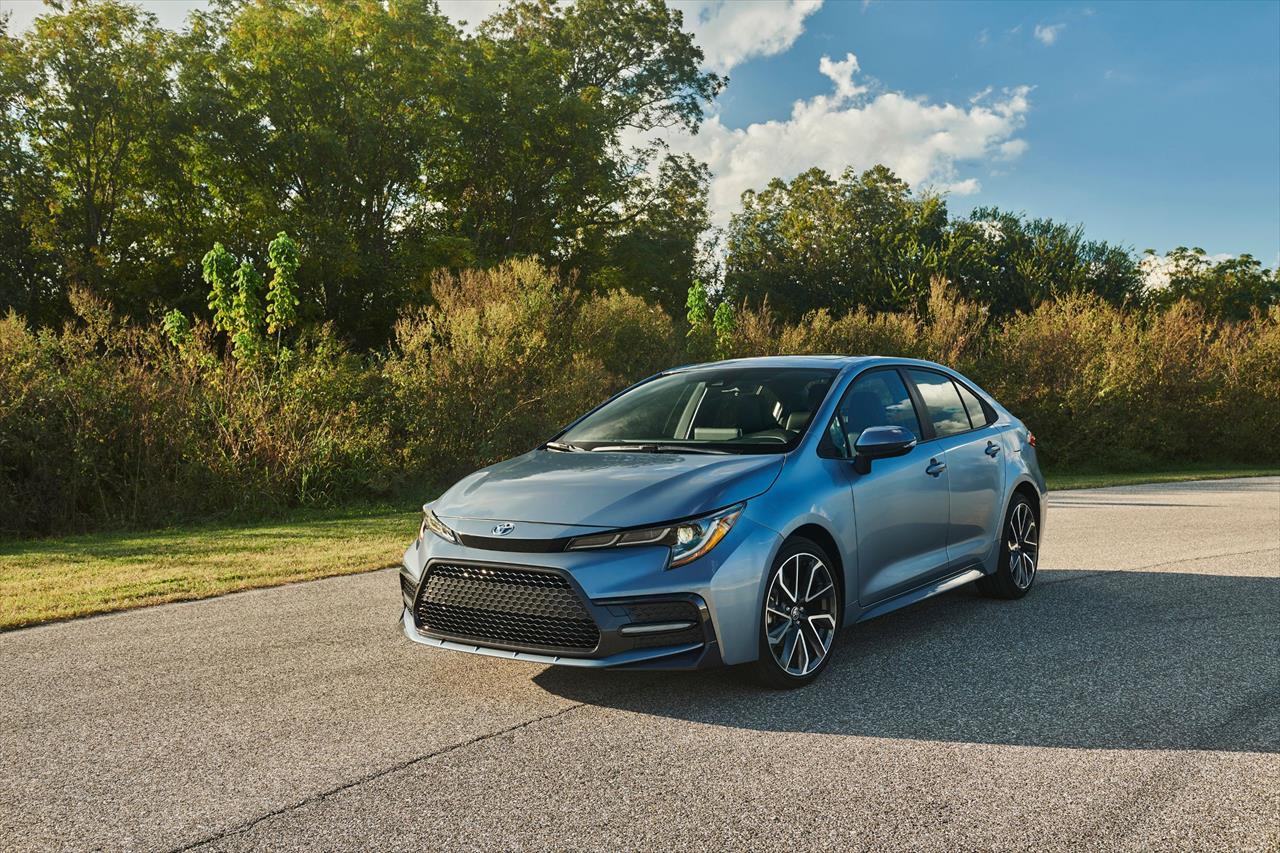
900 505
975 471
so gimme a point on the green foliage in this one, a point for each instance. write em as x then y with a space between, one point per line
218 268
249 314
177 328
654 248
321 119
1230 288
822 243
282 296
697 305
865 240
557 180
106 198
1013 264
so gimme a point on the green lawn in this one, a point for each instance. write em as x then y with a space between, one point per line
47 579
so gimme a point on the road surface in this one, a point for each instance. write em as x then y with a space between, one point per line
1132 701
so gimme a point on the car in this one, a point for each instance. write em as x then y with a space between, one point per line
739 512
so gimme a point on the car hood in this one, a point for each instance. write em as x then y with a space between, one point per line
606 489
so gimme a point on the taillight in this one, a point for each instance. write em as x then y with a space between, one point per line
1031 438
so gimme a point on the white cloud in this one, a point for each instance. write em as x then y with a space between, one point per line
924 143
1012 149
732 31
1048 33
841 73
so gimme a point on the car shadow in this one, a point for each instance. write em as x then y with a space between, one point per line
1104 660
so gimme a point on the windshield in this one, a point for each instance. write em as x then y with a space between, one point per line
726 409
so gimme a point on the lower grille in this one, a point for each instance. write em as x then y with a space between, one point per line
510 606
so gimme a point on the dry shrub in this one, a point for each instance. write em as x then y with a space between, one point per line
107 424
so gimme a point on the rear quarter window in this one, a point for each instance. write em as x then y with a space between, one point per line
972 405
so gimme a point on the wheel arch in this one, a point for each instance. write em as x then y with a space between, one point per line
819 535
1026 487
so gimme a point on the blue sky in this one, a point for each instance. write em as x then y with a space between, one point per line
1153 124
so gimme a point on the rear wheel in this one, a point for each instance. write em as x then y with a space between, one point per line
801 616
1019 553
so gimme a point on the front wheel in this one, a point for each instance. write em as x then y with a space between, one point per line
801 616
1019 553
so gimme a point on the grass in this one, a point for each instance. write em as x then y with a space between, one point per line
44 580
1057 480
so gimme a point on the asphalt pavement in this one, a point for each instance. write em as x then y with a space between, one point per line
1130 702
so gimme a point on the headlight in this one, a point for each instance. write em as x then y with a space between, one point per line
688 540
436 526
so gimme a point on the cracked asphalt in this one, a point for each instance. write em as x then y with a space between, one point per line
1130 702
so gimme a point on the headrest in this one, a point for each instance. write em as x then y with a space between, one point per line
797 420
865 410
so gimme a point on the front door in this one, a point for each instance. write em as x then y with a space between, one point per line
901 505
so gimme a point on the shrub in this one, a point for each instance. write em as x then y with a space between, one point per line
104 423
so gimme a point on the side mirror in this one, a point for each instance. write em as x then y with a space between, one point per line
881 442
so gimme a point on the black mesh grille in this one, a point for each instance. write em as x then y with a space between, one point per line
662 611
521 607
407 587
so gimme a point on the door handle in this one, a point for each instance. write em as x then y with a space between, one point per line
992 449
935 468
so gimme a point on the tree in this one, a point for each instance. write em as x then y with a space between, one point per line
818 242
25 285
655 252
245 307
100 122
1228 288
1011 263
538 163
322 118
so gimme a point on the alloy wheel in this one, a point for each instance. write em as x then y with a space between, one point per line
801 614
1023 544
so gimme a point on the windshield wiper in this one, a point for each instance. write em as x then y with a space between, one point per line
660 448
562 446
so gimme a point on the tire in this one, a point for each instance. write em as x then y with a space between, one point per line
798 628
1019 553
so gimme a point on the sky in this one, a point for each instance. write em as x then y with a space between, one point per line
1153 124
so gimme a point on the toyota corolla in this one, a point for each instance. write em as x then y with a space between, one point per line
740 512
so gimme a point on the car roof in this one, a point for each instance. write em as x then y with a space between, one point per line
838 362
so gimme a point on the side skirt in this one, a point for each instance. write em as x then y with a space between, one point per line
920 593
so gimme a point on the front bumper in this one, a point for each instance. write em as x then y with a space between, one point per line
725 587
687 656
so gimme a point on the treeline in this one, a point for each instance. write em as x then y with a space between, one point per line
110 422
389 144
384 139
306 253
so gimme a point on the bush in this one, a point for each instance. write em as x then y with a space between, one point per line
104 423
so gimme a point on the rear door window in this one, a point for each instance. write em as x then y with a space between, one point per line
942 401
